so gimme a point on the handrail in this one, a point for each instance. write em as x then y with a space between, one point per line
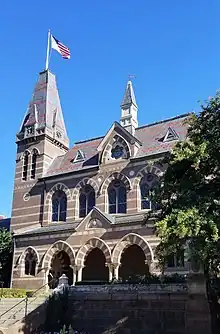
26 299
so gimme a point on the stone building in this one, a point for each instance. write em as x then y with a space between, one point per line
82 210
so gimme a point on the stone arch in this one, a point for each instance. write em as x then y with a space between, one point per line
25 252
21 260
55 248
153 169
128 240
58 186
89 245
115 176
35 150
82 183
26 152
76 192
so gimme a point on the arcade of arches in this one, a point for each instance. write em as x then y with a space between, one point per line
133 262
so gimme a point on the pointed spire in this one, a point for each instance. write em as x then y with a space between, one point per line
44 114
129 109
129 97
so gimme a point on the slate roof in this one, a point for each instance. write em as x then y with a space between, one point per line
44 109
129 96
151 136
59 227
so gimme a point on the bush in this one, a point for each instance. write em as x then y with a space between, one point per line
14 293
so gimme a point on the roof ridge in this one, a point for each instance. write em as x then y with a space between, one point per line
140 127
90 139
165 120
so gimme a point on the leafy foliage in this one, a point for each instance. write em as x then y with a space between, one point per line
189 195
13 293
5 255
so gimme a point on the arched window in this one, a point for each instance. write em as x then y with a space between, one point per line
117 197
25 165
86 200
176 259
34 163
59 206
30 262
147 185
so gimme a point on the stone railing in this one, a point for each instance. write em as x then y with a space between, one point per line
130 288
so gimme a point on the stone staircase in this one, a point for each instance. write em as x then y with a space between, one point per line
13 310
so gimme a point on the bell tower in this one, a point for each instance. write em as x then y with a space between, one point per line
41 138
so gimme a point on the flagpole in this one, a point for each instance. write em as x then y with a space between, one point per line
48 51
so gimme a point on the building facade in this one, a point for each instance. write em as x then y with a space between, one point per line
83 210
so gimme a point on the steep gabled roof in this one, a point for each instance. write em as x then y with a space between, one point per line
44 111
129 97
151 136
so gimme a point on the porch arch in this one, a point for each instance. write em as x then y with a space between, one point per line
89 245
129 240
57 247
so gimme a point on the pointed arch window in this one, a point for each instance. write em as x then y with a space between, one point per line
86 200
25 165
117 197
59 206
34 163
30 262
147 186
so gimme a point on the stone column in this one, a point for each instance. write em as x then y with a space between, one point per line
110 271
116 270
74 273
79 276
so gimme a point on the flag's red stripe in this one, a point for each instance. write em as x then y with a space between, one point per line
64 49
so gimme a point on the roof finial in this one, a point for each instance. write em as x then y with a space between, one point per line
131 76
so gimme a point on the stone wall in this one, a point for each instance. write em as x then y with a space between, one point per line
155 309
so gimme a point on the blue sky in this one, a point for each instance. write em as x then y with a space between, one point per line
173 48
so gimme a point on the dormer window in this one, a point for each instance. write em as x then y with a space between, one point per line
80 156
170 135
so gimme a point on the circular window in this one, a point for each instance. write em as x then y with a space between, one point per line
117 152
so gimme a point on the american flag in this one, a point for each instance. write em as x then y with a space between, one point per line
60 47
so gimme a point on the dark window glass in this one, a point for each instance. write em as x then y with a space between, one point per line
147 187
86 200
30 263
59 206
145 196
33 164
25 166
176 260
117 197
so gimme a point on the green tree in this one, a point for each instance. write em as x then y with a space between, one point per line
5 255
189 194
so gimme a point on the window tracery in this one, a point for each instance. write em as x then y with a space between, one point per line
86 200
117 197
147 185
59 206
30 262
